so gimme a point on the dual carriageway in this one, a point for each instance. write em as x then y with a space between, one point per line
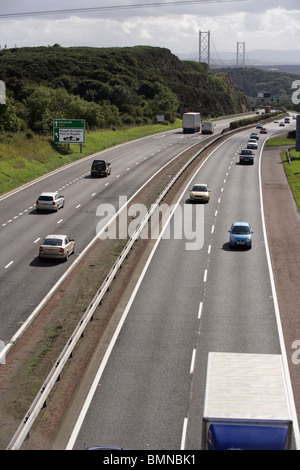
187 302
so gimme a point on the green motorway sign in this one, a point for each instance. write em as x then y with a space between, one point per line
66 131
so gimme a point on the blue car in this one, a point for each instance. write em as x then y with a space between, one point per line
240 235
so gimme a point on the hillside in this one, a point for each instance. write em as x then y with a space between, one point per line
108 87
254 80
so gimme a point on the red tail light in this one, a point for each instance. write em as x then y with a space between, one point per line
41 248
53 203
61 250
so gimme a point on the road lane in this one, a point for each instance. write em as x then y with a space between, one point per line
211 299
23 281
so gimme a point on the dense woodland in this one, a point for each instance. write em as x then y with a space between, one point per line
108 87
255 80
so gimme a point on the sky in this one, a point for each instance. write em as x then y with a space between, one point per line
175 25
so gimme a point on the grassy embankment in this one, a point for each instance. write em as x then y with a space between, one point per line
292 169
22 160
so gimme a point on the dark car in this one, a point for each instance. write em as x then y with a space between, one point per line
100 168
247 156
254 135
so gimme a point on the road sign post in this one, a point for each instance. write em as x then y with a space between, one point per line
69 131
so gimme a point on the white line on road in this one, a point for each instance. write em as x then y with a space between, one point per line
277 314
9 264
200 310
183 437
193 361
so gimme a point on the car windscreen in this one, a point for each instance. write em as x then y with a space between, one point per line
240 230
52 242
199 188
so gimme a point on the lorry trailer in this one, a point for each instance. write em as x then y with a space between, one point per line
191 122
246 404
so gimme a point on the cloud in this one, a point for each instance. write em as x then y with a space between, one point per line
267 24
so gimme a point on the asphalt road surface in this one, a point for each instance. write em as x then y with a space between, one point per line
24 280
150 393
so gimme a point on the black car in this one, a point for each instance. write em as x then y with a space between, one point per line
247 156
100 168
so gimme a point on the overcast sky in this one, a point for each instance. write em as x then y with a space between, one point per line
261 24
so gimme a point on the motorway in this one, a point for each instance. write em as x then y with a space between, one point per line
24 279
189 302
150 392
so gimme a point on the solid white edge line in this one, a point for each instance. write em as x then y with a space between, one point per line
277 313
104 361
183 436
8 265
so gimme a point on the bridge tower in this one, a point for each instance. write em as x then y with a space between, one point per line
204 47
240 54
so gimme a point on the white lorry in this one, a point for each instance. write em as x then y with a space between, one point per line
207 127
246 403
191 122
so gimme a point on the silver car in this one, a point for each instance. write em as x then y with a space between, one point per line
252 144
57 247
50 202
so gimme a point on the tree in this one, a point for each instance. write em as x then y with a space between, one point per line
9 121
164 102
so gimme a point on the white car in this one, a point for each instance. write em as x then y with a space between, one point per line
50 202
57 247
252 144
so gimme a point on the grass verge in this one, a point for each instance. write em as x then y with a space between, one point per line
22 160
292 166
292 171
